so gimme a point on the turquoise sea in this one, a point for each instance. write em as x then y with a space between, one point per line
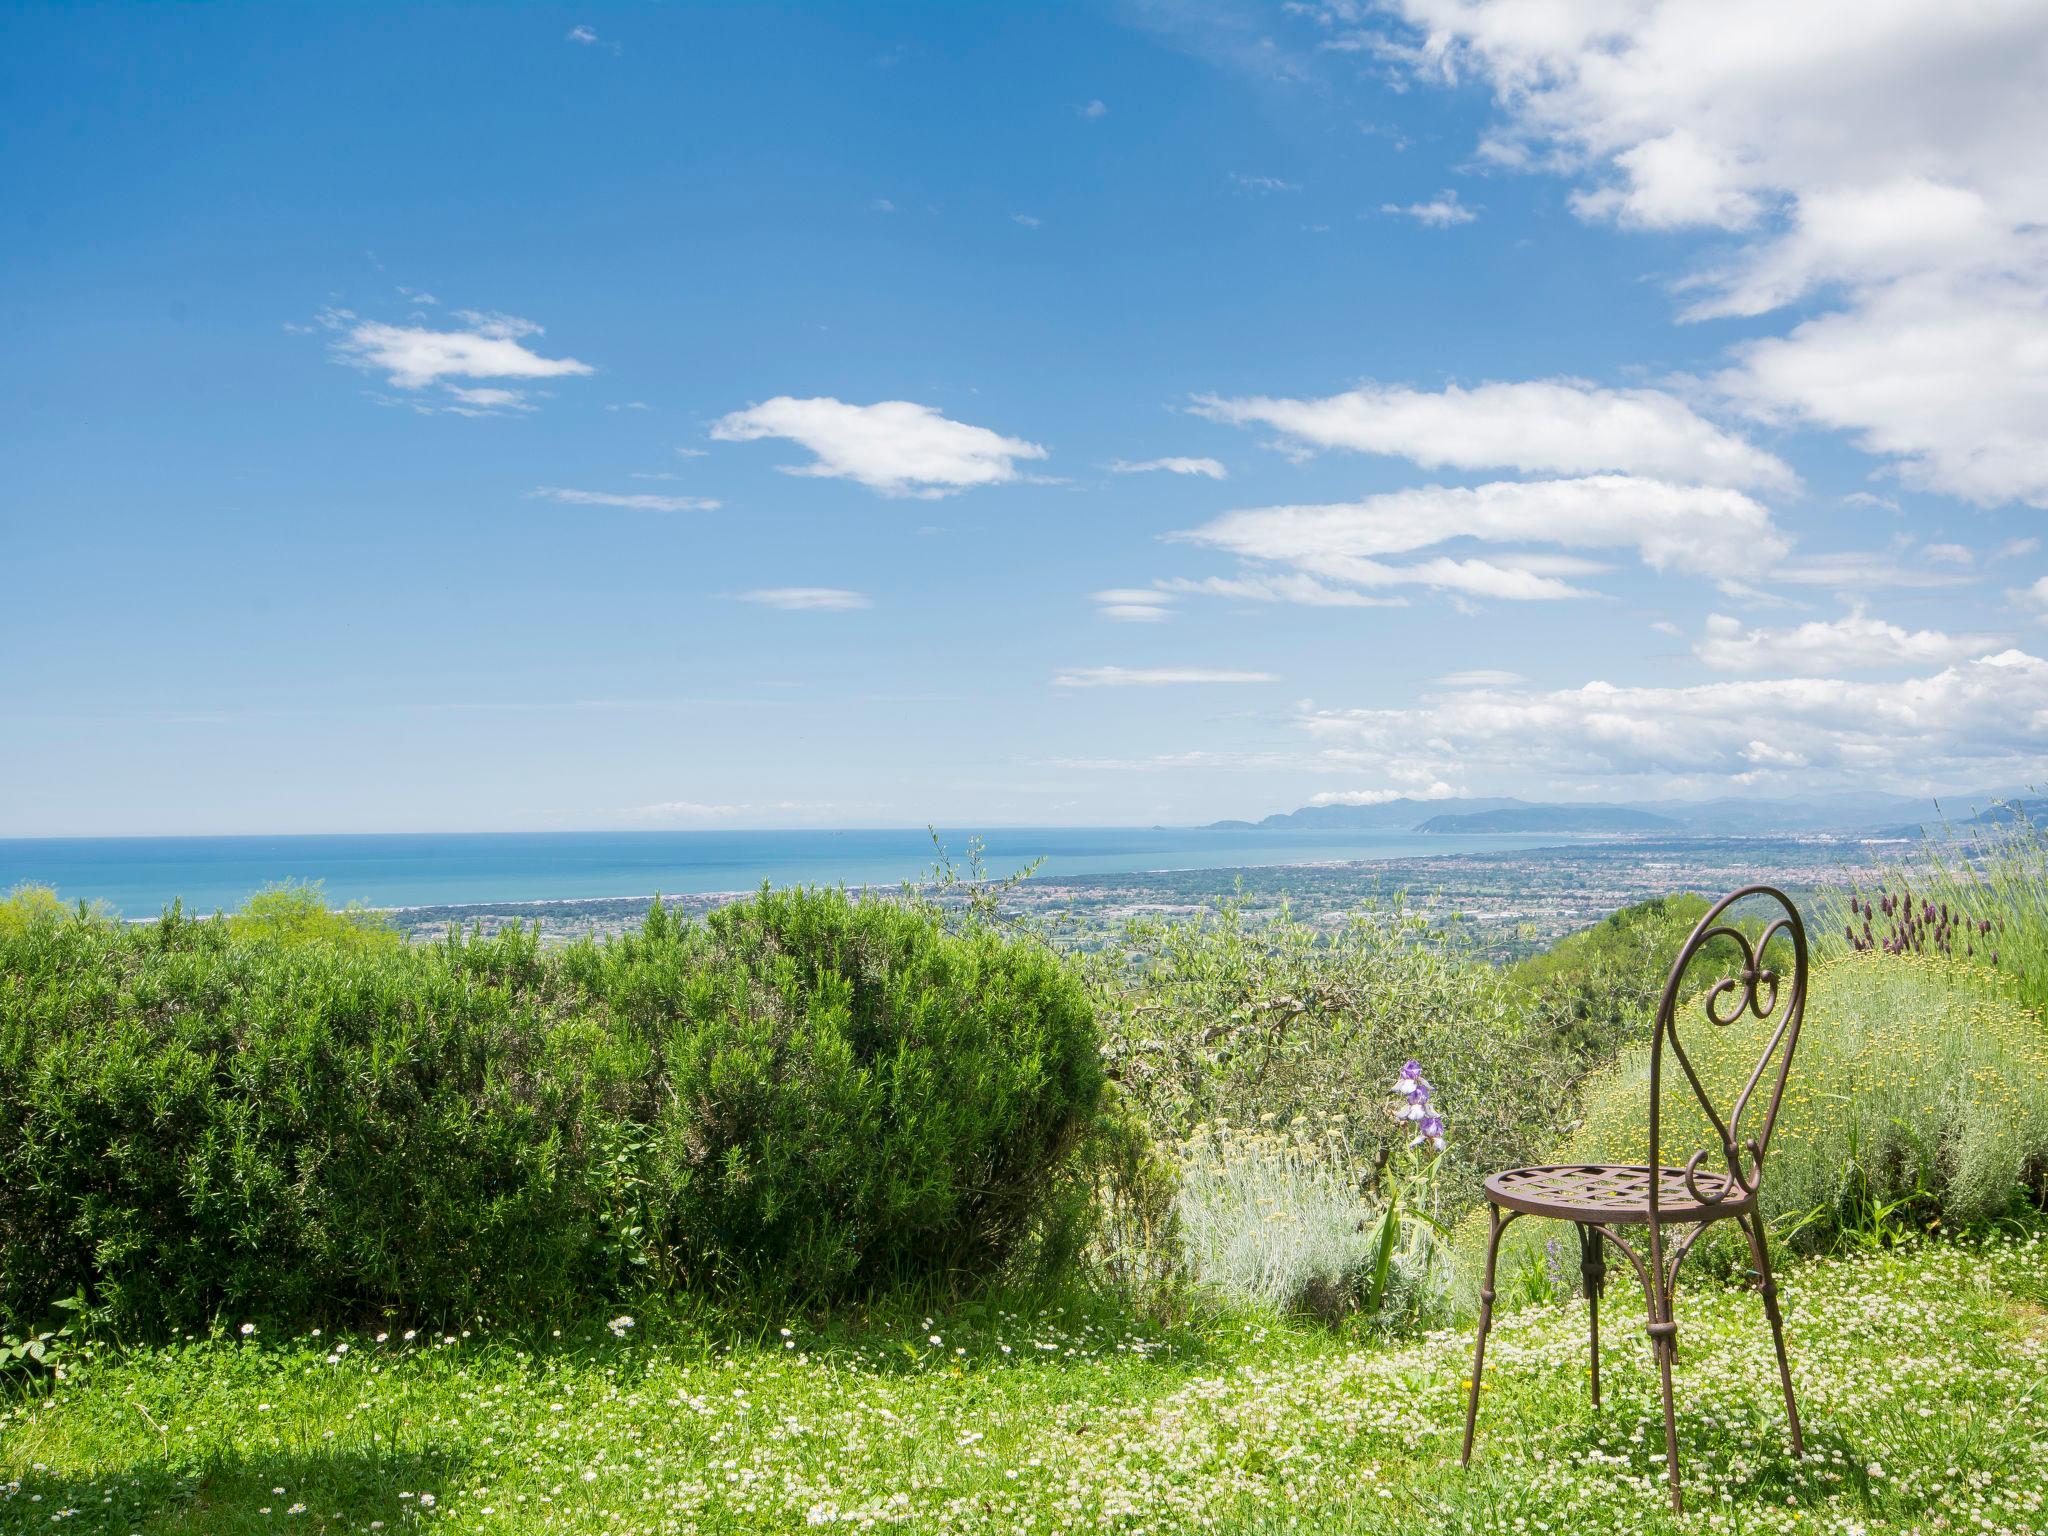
141 875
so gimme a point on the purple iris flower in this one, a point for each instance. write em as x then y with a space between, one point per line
1413 1091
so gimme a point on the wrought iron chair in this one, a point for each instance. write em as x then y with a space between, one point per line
1661 1198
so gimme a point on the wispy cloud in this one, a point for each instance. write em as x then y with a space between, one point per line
896 447
1693 530
1212 468
1155 677
1481 677
1821 647
1135 605
1538 426
413 358
807 599
1262 184
634 501
1027 220
1093 110
1440 212
586 37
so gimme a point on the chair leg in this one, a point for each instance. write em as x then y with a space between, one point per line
1664 1341
1593 1279
1485 1323
1753 1229
1659 1291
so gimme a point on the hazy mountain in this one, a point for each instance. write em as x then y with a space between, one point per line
1865 811
1554 818
1387 816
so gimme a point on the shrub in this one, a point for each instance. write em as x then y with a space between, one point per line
846 1096
294 1123
1279 1218
1596 991
297 913
1231 1018
1130 1190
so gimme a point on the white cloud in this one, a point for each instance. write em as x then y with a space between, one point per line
1554 426
1859 569
1281 588
2034 597
688 810
1027 220
1435 789
1973 721
881 205
1263 183
896 447
1176 466
1695 530
1946 377
489 398
1092 110
634 501
586 36
1884 154
413 357
1135 605
807 599
1855 642
1154 677
1481 677
1441 212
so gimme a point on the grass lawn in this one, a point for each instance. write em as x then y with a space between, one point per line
1923 1378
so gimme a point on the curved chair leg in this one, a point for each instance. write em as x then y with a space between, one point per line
1485 1323
1753 1229
1593 1278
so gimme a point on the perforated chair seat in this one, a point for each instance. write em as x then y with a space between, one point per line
1618 1192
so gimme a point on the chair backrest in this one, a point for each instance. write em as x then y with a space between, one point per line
1757 986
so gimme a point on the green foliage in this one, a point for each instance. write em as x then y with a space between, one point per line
1131 1191
294 1119
847 1095
29 906
1596 991
1289 1220
1233 1018
1912 1085
296 912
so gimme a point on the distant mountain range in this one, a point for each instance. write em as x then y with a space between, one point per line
1554 818
1869 812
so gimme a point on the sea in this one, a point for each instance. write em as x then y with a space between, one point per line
140 876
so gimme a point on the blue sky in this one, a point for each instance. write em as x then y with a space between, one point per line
739 416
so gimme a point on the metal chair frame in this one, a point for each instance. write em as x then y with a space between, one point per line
1600 1199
